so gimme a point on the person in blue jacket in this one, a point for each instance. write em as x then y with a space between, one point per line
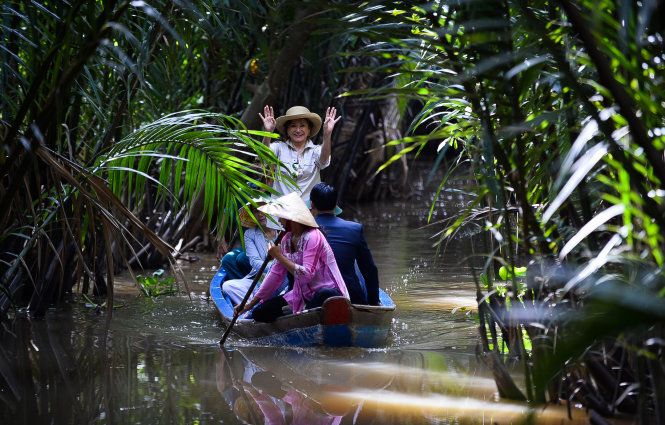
347 240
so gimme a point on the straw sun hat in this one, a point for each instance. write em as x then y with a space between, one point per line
290 207
246 219
296 112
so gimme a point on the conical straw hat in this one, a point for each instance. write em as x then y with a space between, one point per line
290 207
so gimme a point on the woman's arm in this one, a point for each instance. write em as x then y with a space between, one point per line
269 122
268 287
328 126
253 237
311 252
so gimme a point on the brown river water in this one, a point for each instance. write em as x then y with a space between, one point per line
158 361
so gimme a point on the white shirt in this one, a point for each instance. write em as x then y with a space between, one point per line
305 168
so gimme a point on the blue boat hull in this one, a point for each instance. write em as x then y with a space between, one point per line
338 323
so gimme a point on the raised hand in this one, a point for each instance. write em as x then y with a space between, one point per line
330 121
268 118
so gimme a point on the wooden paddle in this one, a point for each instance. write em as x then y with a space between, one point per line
251 288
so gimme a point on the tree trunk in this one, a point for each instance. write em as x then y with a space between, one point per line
280 69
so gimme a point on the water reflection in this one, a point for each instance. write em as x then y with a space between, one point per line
349 386
290 386
58 371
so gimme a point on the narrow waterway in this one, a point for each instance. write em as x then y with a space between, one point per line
158 361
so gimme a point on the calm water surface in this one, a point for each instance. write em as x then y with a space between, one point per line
158 361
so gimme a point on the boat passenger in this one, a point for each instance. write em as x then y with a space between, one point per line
347 240
301 158
236 262
256 239
305 253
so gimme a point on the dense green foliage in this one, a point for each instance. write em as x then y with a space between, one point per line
153 286
123 129
85 141
558 110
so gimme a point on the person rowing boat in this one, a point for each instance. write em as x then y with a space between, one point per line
306 254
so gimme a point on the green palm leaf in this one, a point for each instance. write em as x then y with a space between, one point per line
218 154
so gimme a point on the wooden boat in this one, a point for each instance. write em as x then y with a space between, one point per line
338 323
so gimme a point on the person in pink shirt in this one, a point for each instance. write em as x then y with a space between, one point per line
306 254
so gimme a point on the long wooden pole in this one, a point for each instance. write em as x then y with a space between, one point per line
249 291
